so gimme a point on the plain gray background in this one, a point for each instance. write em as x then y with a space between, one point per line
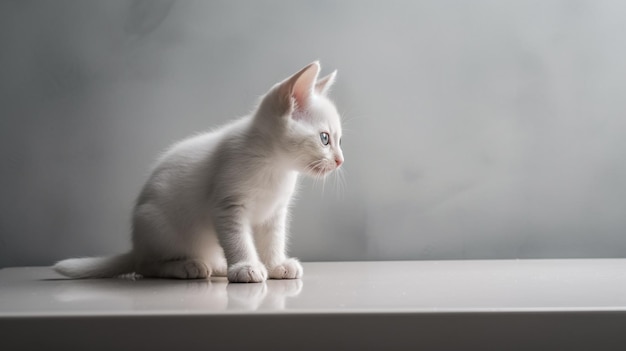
474 129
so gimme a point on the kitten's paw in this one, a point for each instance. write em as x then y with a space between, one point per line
289 269
246 272
191 269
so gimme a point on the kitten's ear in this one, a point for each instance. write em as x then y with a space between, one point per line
323 85
304 84
298 88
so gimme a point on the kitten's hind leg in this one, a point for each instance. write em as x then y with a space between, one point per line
178 269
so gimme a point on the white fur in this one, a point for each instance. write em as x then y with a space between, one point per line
218 203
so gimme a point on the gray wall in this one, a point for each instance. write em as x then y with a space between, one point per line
474 129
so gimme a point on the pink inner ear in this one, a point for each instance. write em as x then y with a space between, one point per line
322 85
304 87
302 100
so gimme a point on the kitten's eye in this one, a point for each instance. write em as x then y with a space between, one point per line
325 138
339 141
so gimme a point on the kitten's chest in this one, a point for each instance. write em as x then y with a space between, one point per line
270 195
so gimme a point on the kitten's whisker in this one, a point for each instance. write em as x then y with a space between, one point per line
340 182
340 188
319 171
336 184
347 118
314 167
342 177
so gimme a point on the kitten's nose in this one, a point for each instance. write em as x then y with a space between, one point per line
338 161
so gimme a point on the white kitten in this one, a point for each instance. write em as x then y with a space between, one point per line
218 203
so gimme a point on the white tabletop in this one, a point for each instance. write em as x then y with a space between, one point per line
422 290
334 287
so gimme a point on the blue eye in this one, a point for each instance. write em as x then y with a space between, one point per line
325 138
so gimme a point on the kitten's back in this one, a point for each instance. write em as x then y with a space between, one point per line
198 147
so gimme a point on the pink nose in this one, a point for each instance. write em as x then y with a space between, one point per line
338 161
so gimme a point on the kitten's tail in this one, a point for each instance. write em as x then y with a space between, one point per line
96 267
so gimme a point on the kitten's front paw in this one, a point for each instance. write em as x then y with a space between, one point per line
246 272
289 269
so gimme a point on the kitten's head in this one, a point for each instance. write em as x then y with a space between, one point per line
305 124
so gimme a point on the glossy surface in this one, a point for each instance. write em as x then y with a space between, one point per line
333 288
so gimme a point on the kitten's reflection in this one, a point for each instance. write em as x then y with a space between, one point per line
169 295
270 295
